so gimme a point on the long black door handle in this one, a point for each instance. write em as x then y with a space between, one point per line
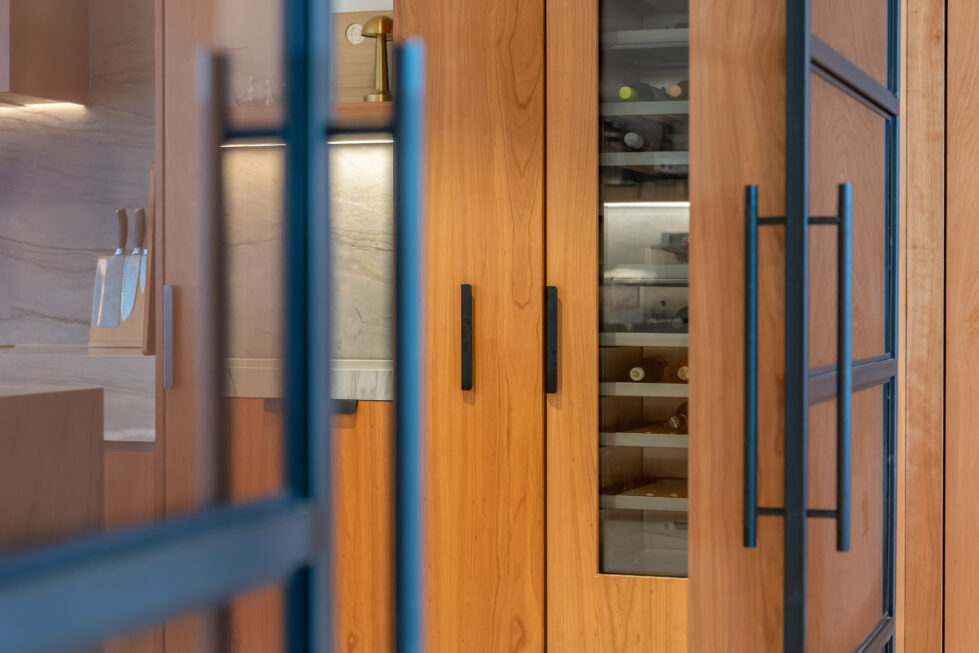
550 341
467 336
750 506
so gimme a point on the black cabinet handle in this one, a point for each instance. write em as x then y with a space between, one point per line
467 336
750 514
844 362
550 341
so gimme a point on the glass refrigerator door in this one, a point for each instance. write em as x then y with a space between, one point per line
643 277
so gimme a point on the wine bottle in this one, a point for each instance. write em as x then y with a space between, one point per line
683 372
641 92
680 90
650 370
678 422
633 140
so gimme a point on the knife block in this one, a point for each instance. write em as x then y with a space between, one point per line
129 334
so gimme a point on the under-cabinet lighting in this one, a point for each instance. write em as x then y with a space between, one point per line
649 205
373 141
41 105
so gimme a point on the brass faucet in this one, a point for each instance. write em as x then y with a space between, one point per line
380 28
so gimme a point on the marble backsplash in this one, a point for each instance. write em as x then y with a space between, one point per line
64 170
363 250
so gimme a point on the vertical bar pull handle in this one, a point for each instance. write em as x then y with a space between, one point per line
750 515
167 337
409 363
550 341
844 362
467 336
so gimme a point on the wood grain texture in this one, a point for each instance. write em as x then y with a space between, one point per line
363 455
255 449
130 499
844 589
130 483
961 328
485 458
846 146
51 480
363 523
923 164
737 137
186 26
586 611
857 29
47 51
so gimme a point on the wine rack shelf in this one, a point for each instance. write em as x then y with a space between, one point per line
633 339
624 389
626 502
657 440
644 159
646 39
643 109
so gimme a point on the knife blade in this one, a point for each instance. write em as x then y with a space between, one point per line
108 280
130 271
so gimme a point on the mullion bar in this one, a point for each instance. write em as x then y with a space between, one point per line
303 617
831 63
867 373
97 586
797 63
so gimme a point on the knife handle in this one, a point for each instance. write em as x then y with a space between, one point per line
140 232
123 230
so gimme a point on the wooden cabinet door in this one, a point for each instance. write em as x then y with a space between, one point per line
793 533
617 220
485 450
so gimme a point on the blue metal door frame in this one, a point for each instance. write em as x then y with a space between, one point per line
78 593
807 55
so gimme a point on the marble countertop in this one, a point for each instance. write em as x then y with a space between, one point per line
128 379
363 379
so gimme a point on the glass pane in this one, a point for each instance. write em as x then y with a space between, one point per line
78 423
846 589
847 143
250 623
644 227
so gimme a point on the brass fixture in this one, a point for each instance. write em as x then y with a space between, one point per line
380 28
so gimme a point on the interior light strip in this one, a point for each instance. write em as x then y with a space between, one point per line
376 141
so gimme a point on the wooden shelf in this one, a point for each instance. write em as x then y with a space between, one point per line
363 114
649 274
671 496
623 389
369 115
639 339
654 440
655 108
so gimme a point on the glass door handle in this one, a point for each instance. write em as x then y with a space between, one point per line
844 361
550 340
467 336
